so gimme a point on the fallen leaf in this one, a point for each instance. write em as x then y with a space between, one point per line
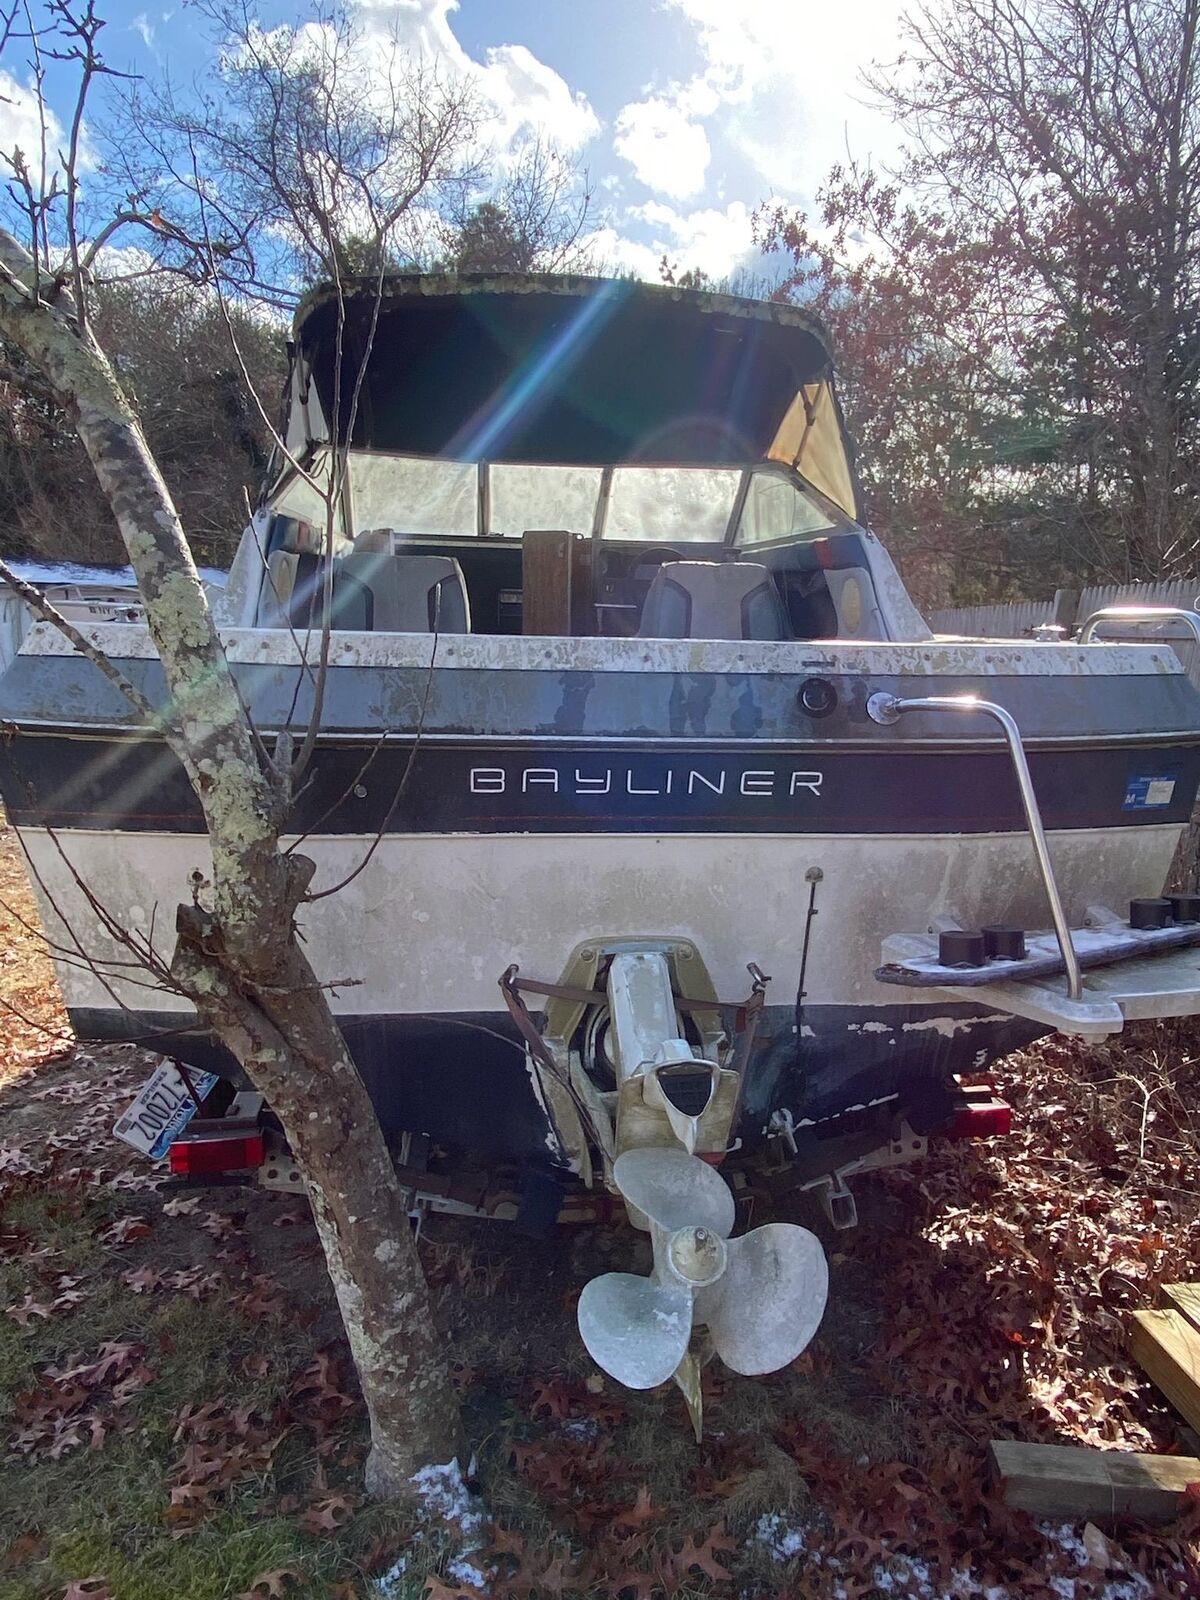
23 1548
639 1513
438 1589
704 1555
273 1585
141 1279
553 1398
328 1515
29 1307
125 1231
87 1589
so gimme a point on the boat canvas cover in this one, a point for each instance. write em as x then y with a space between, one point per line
568 370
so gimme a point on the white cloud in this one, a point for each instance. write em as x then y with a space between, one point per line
531 98
667 150
20 127
613 252
783 87
713 241
522 96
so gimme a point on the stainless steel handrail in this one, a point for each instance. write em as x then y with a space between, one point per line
887 709
1139 614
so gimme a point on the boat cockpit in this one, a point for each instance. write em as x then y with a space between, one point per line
562 456
664 552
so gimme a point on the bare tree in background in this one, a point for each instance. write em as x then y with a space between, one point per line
168 341
535 220
291 140
1034 268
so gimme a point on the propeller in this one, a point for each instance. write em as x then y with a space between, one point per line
761 1297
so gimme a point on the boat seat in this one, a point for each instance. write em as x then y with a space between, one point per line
713 600
287 592
410 593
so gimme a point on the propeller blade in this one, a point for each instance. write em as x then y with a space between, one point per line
675 1190
771 1299
638 1331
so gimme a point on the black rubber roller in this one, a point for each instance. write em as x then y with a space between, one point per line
1185 907
1004 944
1149 913
957 948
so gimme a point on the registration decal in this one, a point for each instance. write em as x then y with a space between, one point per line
1147 791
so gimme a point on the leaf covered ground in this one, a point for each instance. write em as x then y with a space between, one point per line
179 1419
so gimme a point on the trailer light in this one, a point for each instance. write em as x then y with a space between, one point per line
226 1152
980 1119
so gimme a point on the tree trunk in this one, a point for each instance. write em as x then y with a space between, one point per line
239 961
292 1050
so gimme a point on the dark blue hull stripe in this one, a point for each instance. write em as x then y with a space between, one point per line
135 784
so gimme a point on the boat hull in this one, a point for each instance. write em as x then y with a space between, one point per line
483 801
414 945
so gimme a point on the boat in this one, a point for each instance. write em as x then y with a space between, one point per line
675 858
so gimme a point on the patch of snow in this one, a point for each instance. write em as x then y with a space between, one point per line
905 1575
585 1428
1133 1586
780 1538
465 1572
443 1497
443 1493
1130 1586
393 1575
1067 1540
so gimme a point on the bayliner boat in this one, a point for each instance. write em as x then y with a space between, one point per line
668 836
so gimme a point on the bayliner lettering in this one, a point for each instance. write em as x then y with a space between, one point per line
680 781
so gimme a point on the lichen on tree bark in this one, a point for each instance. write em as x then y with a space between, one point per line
238 957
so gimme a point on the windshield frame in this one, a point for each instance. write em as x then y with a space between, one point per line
839 520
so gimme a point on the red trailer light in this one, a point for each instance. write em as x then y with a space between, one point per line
980 1119
227 1152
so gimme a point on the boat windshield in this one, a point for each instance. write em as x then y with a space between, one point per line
421 497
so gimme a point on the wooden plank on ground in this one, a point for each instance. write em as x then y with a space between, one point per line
1167 1348
1185 1298
1051 1480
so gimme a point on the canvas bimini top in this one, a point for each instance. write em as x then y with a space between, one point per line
567 370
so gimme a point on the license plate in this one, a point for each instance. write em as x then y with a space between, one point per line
162 1110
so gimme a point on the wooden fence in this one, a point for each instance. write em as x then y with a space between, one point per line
1069 608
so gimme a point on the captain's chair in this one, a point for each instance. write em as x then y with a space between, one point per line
410 593
373 591
713 600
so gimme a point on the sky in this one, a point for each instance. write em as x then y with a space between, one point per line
688 114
